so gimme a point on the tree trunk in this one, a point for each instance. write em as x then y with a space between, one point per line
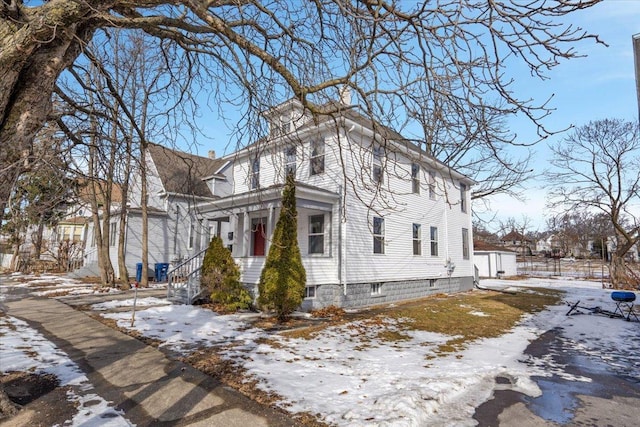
122 264
37 244
618 271
35 47
145 215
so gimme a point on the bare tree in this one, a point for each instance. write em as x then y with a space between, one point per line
409 64
573 231
597 170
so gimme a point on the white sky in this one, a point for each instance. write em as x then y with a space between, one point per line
350 377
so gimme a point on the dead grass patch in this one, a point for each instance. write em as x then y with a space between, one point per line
464 316
473 315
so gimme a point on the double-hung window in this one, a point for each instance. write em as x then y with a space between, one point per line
432 185
415 178
317 157
378 156
255 173
290 160
417 239
434 241
465 243
463 197
378 235
316 234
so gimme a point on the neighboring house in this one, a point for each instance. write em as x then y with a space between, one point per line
493 260
518 243
175 187
356 249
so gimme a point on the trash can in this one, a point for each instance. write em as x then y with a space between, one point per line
161 270
139 272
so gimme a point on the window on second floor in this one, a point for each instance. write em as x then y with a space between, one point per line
463 197
417 239
434 241
378 235
316 165
415 178
432 185
377 163
290 160
465 243
316 234
255 173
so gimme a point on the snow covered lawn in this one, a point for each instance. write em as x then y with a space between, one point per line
350 375
380 372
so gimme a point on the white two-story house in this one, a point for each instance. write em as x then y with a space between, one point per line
378 219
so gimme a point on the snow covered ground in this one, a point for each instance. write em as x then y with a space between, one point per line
350 377
24 349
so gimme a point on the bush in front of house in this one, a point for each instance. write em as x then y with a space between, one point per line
283 277
221 278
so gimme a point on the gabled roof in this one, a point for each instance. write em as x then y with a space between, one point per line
182 173
514 235
86 187
482 246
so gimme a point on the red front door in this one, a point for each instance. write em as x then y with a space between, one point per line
259 238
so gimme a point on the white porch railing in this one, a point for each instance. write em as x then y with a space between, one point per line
183 281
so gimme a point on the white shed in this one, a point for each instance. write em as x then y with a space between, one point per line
493 260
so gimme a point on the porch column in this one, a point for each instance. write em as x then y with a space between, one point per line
246 235
270 228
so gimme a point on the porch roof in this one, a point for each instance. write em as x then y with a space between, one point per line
306 195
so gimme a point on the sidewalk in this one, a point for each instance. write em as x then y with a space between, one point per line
140 380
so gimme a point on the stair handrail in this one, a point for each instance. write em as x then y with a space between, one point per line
187 261
192 272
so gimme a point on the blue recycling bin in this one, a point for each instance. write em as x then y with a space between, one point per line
139 272
161 270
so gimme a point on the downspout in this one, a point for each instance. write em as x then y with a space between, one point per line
342 273
342 260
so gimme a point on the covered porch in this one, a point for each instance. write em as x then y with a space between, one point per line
246 222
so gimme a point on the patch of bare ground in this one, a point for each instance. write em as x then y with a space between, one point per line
37 398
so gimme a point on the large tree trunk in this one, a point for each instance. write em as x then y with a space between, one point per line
37 244
617 271
35 47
